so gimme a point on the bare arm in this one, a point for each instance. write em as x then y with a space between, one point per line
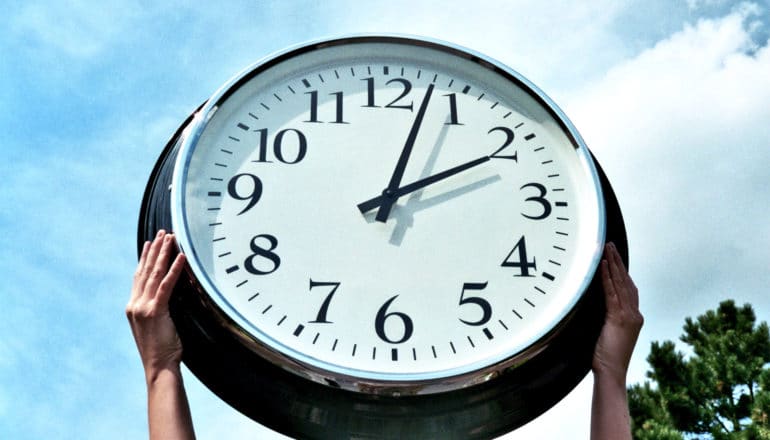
610 419
159 346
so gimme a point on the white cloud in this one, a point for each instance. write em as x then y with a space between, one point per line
682 132
553 43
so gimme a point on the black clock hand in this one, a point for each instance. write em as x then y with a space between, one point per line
419 184
398 172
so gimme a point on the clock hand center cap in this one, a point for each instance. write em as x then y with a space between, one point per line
389 193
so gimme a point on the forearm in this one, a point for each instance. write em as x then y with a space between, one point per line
168 409
609 410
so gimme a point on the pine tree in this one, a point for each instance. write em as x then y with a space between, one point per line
719 390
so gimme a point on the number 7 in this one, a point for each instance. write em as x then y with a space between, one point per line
321 317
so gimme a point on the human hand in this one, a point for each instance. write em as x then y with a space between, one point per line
623 320
147 310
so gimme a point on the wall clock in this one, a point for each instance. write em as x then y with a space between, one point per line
387 236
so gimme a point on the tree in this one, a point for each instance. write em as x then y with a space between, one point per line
719 390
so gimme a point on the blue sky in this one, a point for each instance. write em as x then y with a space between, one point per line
672 97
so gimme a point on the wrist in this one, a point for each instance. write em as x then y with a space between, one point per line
157 374
610 377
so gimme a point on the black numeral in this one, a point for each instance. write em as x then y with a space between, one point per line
508 139
262 253
314 107
278 146
452 110
520 260
321 316
540 198
383 315
486 308
406 88
253 191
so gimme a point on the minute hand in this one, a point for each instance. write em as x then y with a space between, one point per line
398 173
419 184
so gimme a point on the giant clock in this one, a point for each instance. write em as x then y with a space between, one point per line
386 236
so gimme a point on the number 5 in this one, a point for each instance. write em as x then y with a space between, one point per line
486 308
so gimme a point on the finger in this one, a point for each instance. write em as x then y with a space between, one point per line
616 270
620 273
610 294
169 281
138 284
629 292
160 267
152 254
143 256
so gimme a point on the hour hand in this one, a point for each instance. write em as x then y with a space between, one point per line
390 196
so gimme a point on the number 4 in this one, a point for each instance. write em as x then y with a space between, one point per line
522 263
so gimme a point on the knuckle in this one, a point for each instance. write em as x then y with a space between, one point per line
163 288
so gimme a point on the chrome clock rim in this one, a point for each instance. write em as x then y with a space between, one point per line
323 372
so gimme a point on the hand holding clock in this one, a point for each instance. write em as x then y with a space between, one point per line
156 338
623 321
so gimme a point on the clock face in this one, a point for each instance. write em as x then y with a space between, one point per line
388 210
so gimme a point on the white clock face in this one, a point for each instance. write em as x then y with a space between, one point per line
302 227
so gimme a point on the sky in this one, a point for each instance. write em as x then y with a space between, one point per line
670 95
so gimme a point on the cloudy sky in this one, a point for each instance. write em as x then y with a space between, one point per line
672 96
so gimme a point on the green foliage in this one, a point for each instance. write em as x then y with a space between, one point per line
720 391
